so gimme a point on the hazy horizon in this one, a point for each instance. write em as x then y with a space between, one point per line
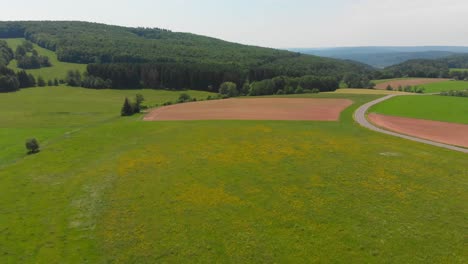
276 23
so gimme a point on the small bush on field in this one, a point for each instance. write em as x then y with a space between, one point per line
299 90
315 91
389 88
32 146
184 98
463 93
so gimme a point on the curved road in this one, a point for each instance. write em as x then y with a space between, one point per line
360 117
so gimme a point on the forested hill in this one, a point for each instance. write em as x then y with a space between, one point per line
439 68
83 42
381 57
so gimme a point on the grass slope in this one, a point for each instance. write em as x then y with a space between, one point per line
439 108
54 113
57 71
128 191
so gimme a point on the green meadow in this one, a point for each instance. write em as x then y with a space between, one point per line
431 107
57 71
445 86
52 113
107 189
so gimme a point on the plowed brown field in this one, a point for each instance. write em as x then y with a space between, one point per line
448 133
411 82
254 109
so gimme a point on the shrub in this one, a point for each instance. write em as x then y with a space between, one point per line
184 98
299 90
32 146
389 88
315 90
228 89
138 101
41 82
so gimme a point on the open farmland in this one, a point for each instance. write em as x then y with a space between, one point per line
254 109
112 189
448 133
434 107
445 86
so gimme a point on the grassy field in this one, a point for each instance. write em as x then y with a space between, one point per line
52 113
389 80
57 71
458 70
445 86
433 107
111 189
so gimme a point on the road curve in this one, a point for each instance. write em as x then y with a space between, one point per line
360 117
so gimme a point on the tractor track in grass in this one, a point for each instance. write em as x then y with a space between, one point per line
360 118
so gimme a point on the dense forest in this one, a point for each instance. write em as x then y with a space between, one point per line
417 68
141 57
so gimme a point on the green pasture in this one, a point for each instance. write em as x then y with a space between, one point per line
54 113
107 189
57 71
431 107
445 86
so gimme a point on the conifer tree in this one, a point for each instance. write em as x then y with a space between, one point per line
127 109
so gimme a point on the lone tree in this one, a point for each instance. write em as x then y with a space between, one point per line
138 101
32 146
127 109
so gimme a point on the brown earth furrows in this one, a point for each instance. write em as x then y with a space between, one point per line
411 82
254 109
448 133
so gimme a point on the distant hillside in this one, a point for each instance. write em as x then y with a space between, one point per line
162 58
439 68
381 57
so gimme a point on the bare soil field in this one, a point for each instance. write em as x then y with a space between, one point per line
254 109
411 82
448 133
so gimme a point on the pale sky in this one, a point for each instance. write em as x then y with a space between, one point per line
273 23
